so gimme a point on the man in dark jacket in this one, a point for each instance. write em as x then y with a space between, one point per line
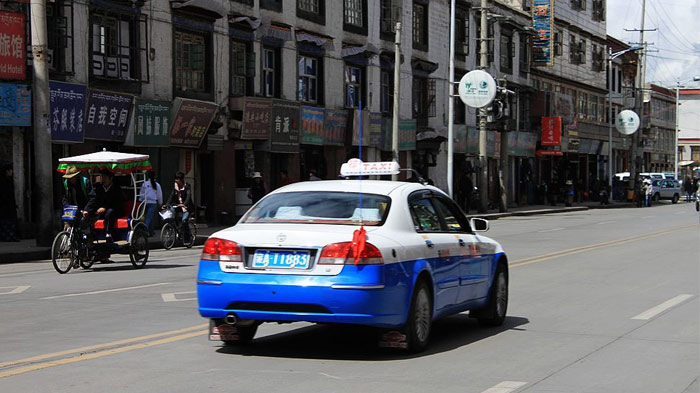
77 190
181 201
108 201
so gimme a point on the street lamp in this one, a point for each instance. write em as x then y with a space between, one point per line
611 57
678 104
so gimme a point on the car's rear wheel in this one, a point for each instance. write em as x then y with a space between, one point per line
495 312
656 198
245 335
420 319
675 199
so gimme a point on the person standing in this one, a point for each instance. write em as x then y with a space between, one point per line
152 196
258 189
8 205
688 188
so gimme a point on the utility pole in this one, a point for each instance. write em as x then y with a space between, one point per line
42 132
483 161
503 172
397 85
451 105
639 106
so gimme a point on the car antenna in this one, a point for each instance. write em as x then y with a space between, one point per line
417 174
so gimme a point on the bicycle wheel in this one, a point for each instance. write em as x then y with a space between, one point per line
167 236
193 235
61 253
139 247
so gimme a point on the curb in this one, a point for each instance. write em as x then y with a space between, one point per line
496 216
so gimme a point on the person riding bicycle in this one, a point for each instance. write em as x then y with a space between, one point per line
77 191
108 201
181 201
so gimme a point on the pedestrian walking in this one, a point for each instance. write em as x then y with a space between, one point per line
152 195
258 189
8 205
688 188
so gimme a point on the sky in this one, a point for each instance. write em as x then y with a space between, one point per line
677 37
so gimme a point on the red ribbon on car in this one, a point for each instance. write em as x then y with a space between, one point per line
359 239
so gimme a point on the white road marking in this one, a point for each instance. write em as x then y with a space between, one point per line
172 297
105 291
15 290
605 222
505 387
652 312
551 230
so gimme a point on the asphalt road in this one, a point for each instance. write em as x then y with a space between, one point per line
600 301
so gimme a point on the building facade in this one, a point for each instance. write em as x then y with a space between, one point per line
688 132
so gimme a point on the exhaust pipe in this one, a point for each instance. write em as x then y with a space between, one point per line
230 319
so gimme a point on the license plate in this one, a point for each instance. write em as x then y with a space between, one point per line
281 259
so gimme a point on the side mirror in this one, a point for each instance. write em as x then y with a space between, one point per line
479 224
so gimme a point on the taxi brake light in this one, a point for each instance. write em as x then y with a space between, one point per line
341 254
216 249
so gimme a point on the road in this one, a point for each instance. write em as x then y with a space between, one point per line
600 301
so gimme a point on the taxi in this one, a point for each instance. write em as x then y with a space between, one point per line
392 255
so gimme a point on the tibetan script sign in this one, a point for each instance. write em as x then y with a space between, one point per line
67 111
543 43
15 105
107 115
152 123
191 122
12 46
312 125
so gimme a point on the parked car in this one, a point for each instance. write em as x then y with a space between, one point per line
666 189
296 256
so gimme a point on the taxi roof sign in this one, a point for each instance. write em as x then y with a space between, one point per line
355 167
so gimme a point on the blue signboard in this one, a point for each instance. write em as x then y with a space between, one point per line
15 105
67 111
542 19
107 115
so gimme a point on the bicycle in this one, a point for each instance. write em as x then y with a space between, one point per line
172 230
70 248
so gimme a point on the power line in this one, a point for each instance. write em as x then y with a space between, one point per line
680 35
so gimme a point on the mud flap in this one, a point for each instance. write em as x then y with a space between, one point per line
392 339
219 331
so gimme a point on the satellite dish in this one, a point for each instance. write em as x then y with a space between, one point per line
477 89
627 122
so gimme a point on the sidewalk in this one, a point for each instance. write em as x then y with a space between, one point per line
26 250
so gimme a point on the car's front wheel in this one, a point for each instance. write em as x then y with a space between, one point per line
420 319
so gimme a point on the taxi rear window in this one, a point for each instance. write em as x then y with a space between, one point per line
318 207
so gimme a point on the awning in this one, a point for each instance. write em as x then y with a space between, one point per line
210 8
423 66
352 49
689 164
324 42
254 23
275 30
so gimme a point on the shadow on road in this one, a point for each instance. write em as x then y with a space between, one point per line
121 266
339 342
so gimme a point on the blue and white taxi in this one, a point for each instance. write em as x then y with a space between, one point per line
392 255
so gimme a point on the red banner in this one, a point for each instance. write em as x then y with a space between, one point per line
551 131
12 46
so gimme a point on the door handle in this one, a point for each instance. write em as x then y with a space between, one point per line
461 243
429 244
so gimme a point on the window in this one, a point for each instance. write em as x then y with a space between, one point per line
695 153
424 215
598 10
242 69
593 108
190 61
313 10
271 71
524 59
389 14
309 78
558 37
462 32
582 52
272 5
573 49
423 99
420 26
578 5
489 43
597 58
115 40
526 4
59 25
506 52
524 112
353 86
355 16
451 215
246 2
582 105
386 94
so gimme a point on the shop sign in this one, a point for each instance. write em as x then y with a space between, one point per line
12 45
334 125
543 20
527 144
460 139
256 118
191 121
284 128
627 122
312 125
551 131
152 123
557 153
477 89
67 106
15 105
107 116
407 135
